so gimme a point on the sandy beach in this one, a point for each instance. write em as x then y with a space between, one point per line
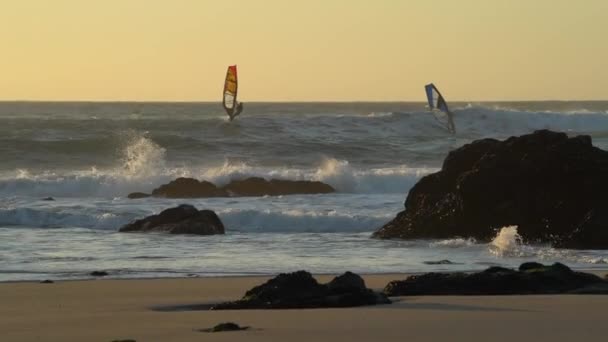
106 310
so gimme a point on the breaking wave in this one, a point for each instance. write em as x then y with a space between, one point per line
235 220
143 166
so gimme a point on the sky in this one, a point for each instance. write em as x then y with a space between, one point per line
303 50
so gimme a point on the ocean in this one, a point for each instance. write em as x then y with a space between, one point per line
90 156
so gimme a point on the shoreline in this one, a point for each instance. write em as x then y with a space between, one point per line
601 272
114 309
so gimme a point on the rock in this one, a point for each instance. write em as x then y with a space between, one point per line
184 219
541 279
530 266
137 195
347 282
228 326
253 186
592 289
188 188
300 290
256 186
440 262
47 281
99 273
548 185
48 199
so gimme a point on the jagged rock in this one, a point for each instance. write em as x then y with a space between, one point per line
184 219
47 281
531 278
301 290
99 273
553 188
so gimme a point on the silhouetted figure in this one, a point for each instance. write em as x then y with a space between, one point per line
237 111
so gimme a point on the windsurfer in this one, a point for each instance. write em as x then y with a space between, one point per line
237 111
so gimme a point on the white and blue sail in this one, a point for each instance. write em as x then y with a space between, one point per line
439 107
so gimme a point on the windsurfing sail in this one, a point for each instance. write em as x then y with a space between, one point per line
440 107
231 86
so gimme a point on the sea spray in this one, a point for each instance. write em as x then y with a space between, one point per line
338 173
507 243
143 157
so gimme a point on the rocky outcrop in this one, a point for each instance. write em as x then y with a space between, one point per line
300 290
552 187
531 278
253 186
184 219
188 188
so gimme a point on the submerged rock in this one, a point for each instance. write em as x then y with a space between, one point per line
440 262
300 290
48 199
136 195
228 326
184 219
253 186
99 273
553 188
531 278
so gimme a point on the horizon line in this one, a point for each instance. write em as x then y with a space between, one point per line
288 101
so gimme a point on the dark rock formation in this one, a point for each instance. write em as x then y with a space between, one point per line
136 195
48 199
228 326
47 281
531 278
300 290
253 186
552 187
188 188
99 273
184 219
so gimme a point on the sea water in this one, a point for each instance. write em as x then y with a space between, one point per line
90 156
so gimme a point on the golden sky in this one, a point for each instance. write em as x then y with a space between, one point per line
303 50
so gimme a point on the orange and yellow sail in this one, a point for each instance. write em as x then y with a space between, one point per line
231 86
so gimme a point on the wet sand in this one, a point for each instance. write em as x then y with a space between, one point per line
106 310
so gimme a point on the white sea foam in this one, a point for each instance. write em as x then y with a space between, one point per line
236 220
144 168
453 243
507 242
